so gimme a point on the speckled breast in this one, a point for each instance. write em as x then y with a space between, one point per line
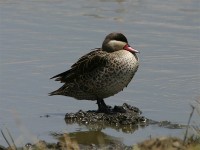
112 78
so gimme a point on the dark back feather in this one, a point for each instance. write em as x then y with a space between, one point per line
86 64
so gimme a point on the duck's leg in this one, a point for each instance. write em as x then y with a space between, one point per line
102 107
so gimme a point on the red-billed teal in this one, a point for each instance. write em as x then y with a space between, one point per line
101 73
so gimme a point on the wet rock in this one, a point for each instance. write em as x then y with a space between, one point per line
46 116
117 117
170 125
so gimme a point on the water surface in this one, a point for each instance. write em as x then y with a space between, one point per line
42 38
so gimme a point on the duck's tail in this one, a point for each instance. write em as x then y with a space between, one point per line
61 91
62 77
53 93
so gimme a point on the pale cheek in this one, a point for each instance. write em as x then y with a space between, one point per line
118 47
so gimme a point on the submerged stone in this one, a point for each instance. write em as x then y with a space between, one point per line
125 117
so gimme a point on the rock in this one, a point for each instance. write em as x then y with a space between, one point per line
118 118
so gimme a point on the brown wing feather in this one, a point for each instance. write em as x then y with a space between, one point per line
87 56
85 64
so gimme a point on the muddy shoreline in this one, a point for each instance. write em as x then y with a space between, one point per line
126 118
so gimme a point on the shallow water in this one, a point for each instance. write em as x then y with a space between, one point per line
42 38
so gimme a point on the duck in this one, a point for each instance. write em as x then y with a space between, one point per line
101 73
